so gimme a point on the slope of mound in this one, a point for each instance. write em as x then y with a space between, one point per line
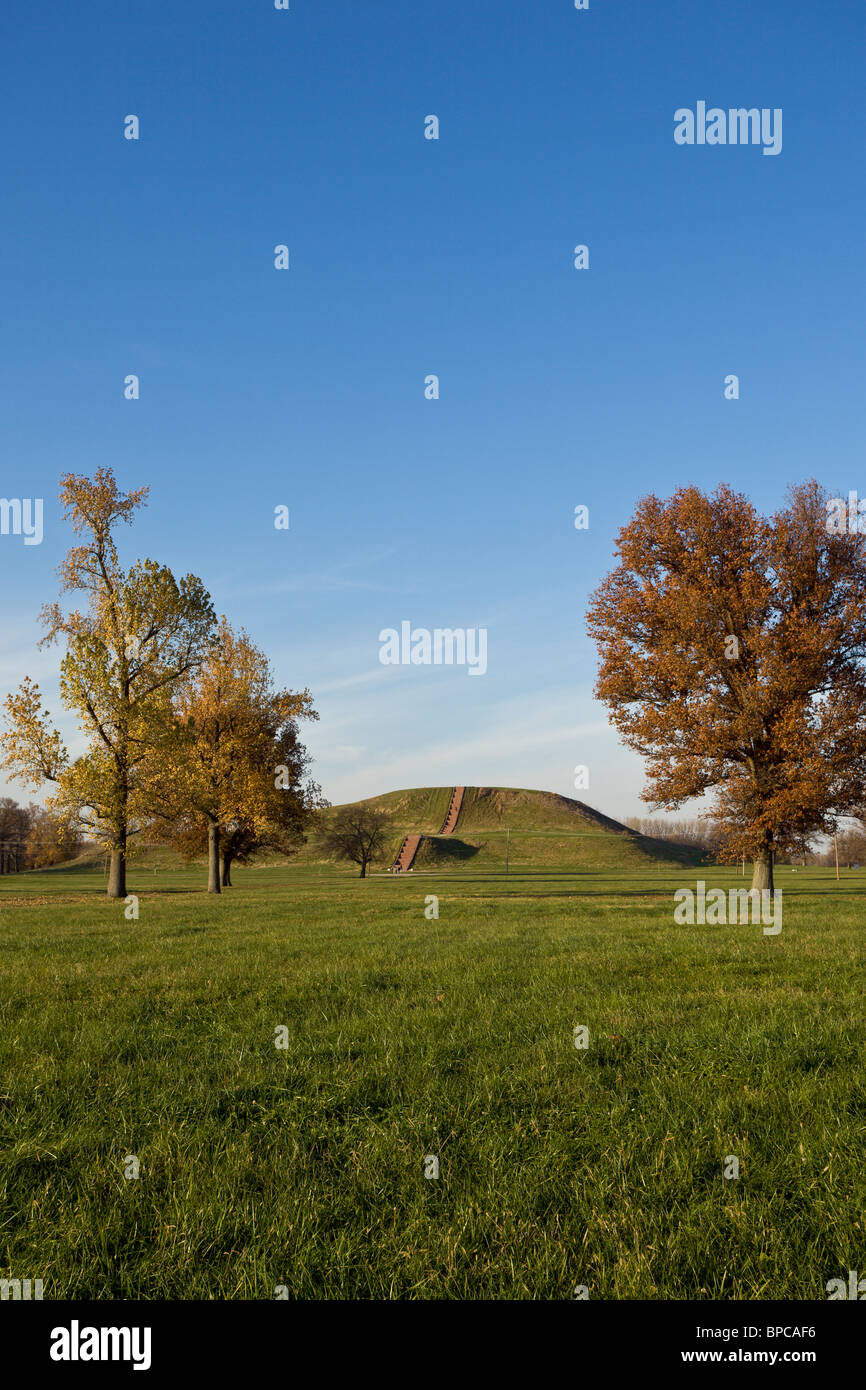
532 829
145 856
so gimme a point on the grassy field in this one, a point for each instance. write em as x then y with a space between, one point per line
304 1166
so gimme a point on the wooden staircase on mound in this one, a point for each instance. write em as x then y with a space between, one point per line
450 822
408 850
409 847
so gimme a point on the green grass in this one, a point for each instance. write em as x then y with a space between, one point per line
408 1037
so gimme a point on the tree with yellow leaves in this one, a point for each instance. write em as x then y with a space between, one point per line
141 632
233 770
293 804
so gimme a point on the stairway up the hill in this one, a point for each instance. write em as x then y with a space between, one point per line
409 847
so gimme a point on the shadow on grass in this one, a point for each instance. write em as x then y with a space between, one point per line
446 849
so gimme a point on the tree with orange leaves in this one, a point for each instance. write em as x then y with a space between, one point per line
732 651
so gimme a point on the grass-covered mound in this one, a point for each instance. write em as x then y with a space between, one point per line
533 829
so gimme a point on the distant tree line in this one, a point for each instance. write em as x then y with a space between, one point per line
695 833
32 837
851 847
703 834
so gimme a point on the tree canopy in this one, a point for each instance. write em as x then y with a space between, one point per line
733 657
141 631
359 834
234 769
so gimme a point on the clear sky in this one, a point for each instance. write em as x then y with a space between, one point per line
411 257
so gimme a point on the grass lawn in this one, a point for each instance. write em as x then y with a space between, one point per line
304 1166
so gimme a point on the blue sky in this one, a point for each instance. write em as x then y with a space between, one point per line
409 257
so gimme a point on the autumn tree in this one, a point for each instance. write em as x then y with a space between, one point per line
15 824
292 802
358 833
141 631
52 838
234 771
732 653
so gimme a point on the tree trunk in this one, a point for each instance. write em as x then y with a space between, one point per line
213 859
225 869
762 872
363 868
117 874
120 826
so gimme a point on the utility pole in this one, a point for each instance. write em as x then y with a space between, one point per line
507 848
